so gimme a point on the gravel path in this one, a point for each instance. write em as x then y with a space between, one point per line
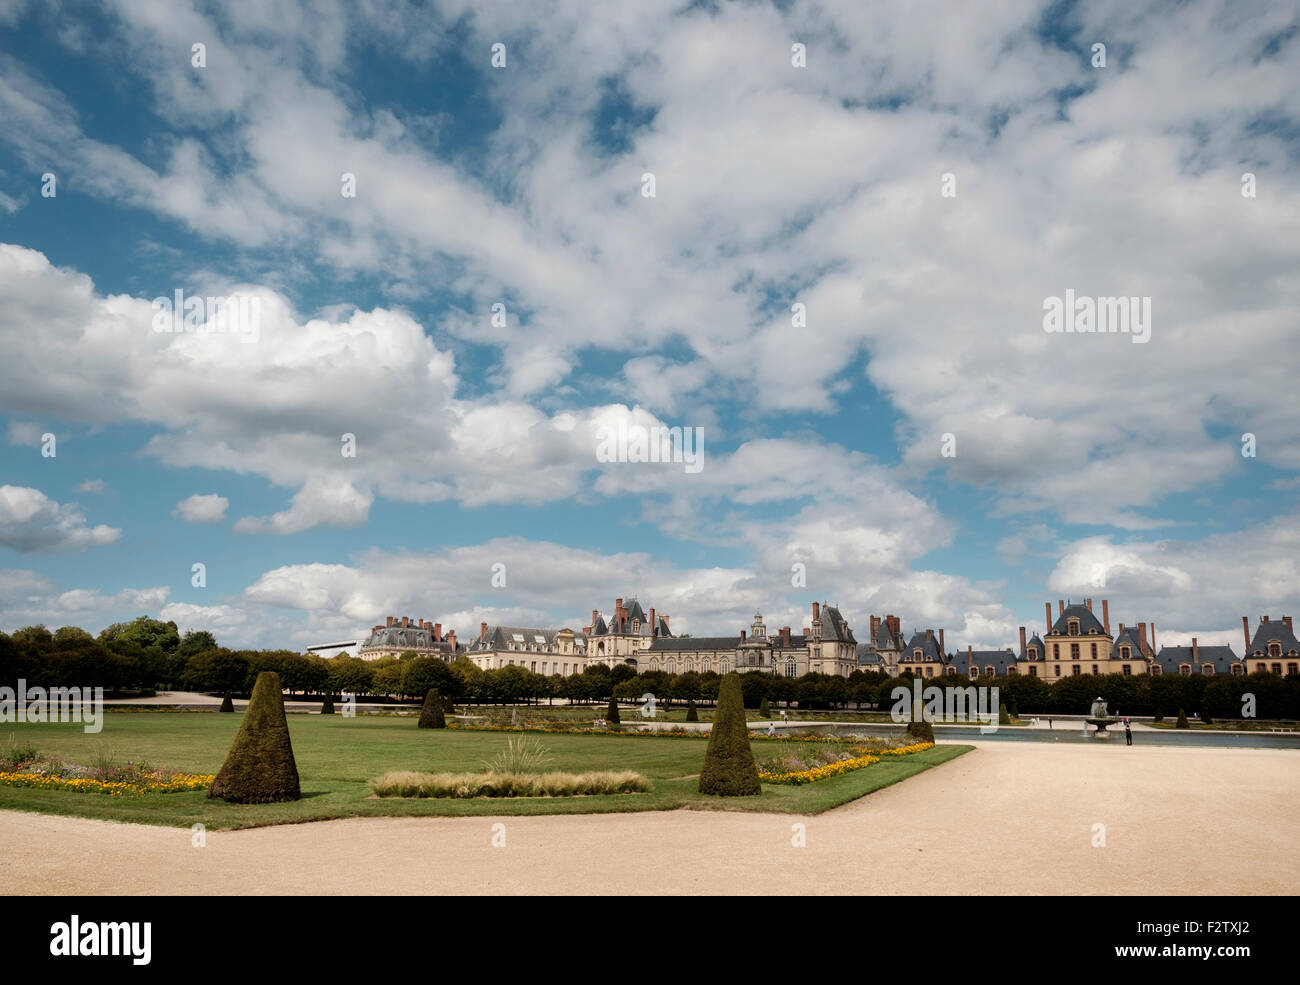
1007 818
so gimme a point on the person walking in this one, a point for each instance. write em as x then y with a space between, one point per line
1128 733
1049 724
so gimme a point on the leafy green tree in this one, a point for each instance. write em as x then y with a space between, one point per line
196 641
145 632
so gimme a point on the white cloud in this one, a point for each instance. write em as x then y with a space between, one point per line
202 508
95 486
31 521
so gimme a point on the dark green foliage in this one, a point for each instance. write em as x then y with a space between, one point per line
432 714
729 769
327 706
226 703
260 768
1159 716
921 730
1011 708
1004 717
448 705
692 713
1205 716
611 714
1182 719
764 709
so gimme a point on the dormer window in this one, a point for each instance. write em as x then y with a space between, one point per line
1275 649
636 625
1125 652
1073 629
916 655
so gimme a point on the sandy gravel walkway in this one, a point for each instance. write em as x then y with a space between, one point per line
1006 818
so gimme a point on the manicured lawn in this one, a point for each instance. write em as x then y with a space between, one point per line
336 756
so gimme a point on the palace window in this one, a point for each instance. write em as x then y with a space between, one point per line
1094 651
1076 670
1074 651
532 665
974 673
1011 671
1260 668
1128 670
990 671
1185 669
916 655
1125 651
952 671
1057 669
1292 668
1033 670
1074 628
1238 670
1275 649
1094 669
1056 651
1033 653
1157 670
1277 669
1207 669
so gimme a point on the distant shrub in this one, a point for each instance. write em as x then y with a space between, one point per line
764 709
432 714
227 704
327 706
611 713
921 730
692 713
1182 720
1004 716
17 754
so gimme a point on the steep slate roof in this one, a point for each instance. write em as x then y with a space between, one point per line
868 657
1132 638
885 638
407 637
1000 660
1170 657
600 628
1037 641
676 643
1087 621
500 638
834 627
929 648
1273 631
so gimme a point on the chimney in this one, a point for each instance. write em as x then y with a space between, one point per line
875 627
437 632
1048 607
1245 629
594 616
1196 653
1153 639
406 622
1022 640
586 631
451 638
894 624
664 619
618 604
742 636
807 631
817 610
1088 603
1060 607
929 634
1142 636
970 652
1105 615
785 635
1287 620
482 630
1263 618
654 626
391 620
941 646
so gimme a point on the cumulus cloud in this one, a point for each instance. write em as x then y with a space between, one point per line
202 508
30 521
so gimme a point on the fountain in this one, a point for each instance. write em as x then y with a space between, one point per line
1099 720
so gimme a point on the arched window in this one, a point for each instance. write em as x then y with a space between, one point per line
1184 669
974 672
1275 649
1207 669
1125 652
1238 670
1073 628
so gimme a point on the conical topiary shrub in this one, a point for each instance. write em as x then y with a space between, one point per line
764 709
611 713
1182 720
448 706
692 713
226 703
432 714
260 768
327 706
729 769
1004 716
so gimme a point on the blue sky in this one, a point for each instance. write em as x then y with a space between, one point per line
1077 456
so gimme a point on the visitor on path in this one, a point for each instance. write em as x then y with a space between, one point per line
785 715
771 728
1128 733
1049 723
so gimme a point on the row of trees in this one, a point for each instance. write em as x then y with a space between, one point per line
148 653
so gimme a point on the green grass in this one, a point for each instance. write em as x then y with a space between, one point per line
336 756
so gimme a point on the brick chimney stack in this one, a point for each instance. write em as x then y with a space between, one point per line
389 624
1245 629
654 626
1287 620
1153 639
929 634
1060 607
875 627
942 649
817 609
451 638
437 632
1196 653
895 625
742 636
1022 640
1088 603
1105 615
482 630
1047 606
1142 637
785 635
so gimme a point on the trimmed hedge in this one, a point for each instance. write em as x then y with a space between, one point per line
260 768
729 769
432 714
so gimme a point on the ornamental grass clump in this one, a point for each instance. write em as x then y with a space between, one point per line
524 754
433 714
260 768
464 786
729 769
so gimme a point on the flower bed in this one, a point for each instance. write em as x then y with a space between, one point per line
143 783
838 767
